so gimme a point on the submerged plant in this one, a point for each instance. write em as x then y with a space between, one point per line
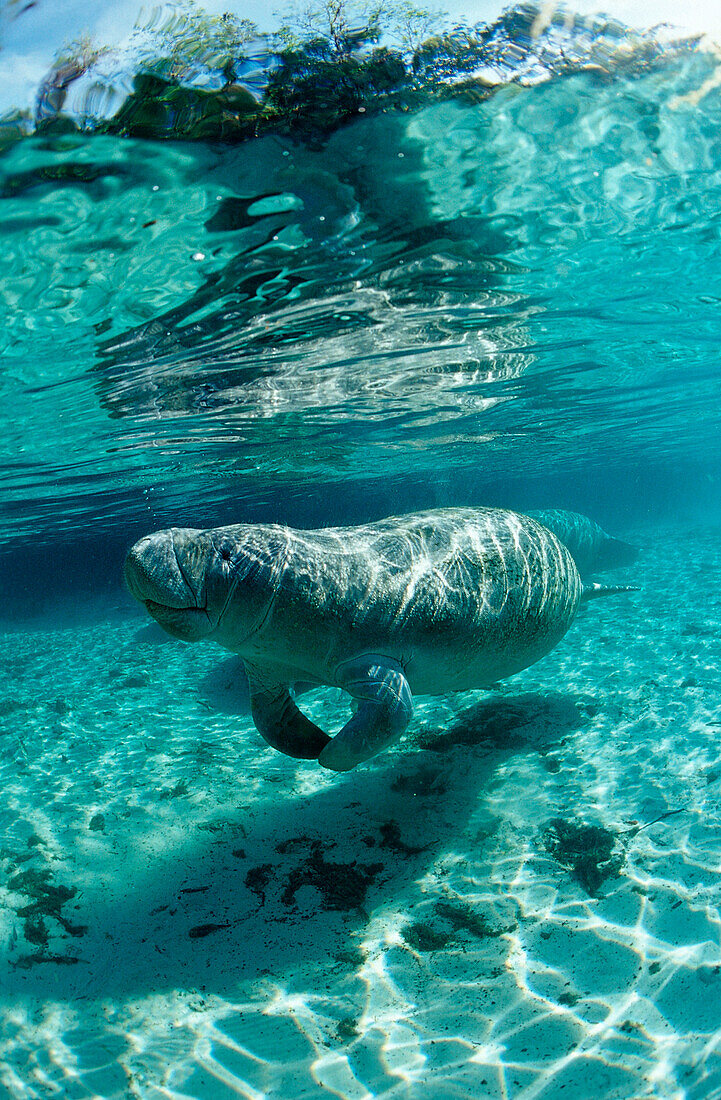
588 851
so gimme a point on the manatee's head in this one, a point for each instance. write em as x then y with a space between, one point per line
188 579
616 553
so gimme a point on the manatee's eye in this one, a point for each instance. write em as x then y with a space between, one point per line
225 554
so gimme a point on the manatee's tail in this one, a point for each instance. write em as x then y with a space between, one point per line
593 591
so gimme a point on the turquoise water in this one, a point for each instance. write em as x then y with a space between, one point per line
454 294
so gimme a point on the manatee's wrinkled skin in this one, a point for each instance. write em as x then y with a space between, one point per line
428 603
592 549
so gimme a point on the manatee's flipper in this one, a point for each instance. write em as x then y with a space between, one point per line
385 707
278 719
593 591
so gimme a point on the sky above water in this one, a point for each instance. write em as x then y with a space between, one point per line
28 42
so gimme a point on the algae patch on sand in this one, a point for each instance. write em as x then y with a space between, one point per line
592 854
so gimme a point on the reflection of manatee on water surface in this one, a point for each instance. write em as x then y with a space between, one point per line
590 547
439 601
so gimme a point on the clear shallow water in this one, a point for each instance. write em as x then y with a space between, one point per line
507 299
188 914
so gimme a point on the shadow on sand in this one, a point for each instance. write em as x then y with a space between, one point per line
291 880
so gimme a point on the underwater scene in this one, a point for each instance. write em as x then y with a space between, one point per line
360 619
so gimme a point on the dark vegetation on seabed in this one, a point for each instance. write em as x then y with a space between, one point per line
203 77
590 852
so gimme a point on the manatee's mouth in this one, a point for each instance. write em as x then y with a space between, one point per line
156 608
622 553
188 623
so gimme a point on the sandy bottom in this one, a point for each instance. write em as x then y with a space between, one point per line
521 900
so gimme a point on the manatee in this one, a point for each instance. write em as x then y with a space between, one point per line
591 548
428 603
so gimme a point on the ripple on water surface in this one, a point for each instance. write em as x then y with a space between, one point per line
466 285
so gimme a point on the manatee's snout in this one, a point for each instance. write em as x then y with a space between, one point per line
152 572
620 553
166 572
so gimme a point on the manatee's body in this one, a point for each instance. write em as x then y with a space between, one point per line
592 549
427 603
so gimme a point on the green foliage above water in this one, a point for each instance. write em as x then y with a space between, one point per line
217 77
345 25
194 40
314 90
